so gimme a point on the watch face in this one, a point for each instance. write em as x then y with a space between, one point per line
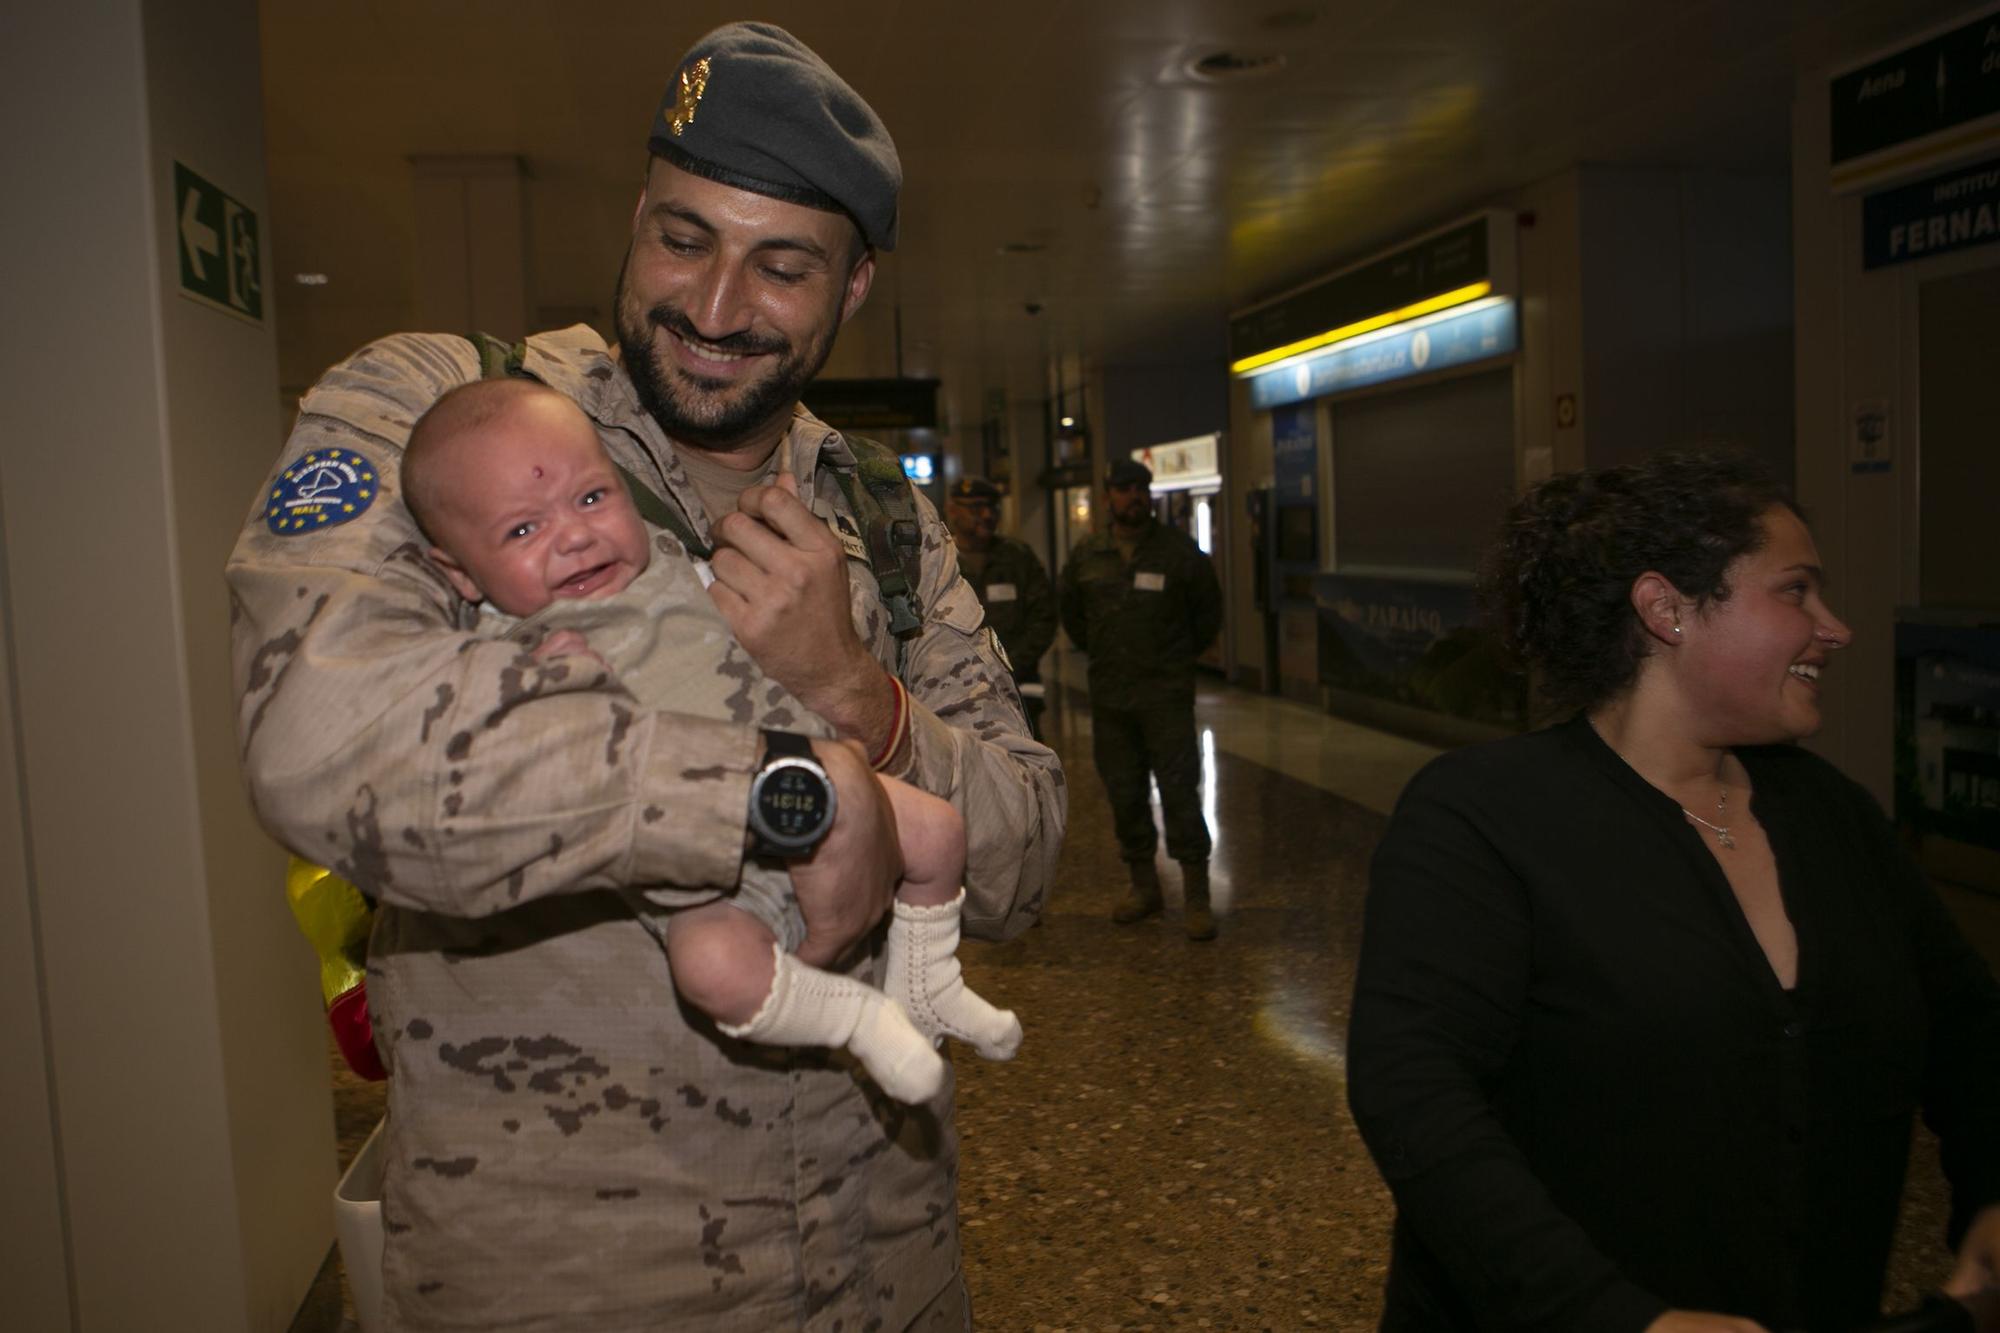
792 803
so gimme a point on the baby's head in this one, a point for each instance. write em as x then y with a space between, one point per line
508 480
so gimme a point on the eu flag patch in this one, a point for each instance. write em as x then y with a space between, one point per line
324 489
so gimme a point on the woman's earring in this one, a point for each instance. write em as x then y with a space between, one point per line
1677 629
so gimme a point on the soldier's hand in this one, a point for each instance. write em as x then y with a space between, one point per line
846 885
781 583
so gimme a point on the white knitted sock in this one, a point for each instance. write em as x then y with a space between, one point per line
811 1007
924 977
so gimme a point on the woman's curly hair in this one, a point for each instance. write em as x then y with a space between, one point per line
1559 580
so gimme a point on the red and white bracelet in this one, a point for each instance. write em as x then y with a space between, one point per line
899 725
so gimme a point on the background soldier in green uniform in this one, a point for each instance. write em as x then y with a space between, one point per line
1143 601
1011 583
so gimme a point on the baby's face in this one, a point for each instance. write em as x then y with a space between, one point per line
538 513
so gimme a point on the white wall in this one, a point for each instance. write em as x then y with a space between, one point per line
1686 312
183 1113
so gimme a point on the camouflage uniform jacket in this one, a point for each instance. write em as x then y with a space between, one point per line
1142 623
645 635
1014 589
567 1146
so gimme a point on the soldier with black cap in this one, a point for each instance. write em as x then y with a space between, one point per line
1142 600
1010 581
567 1146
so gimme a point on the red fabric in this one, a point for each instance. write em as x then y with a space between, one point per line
348 1017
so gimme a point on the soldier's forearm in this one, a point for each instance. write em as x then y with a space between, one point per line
457 775
861 704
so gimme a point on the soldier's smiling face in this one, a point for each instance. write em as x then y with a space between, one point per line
727 305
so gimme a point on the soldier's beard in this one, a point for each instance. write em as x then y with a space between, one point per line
700 412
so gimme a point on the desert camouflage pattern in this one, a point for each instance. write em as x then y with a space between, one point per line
648 635
569 1146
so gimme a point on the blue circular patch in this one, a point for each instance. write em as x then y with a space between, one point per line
324 489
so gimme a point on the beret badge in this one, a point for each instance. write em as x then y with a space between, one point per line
693 83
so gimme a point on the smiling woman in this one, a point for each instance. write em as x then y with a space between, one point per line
1647 1001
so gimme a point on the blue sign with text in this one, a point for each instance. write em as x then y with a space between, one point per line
1954 211
1456 340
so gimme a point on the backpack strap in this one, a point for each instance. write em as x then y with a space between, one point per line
886 509
501 360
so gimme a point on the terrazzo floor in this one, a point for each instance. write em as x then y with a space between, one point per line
1171 1149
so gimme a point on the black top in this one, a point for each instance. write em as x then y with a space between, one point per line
1585 1086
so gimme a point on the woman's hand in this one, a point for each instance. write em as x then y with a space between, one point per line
1697 1321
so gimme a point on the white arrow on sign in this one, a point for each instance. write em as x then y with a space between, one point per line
197 236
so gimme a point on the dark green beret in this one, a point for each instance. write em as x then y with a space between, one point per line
752 107
1128 472
975 490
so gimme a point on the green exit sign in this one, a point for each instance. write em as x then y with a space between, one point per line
221 264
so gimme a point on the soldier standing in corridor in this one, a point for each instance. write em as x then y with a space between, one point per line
1011 583
1142 600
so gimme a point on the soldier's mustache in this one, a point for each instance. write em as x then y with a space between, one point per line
745 343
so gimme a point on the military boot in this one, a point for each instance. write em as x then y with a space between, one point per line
1195 916
1143 898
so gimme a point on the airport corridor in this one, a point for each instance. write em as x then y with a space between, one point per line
1171 1149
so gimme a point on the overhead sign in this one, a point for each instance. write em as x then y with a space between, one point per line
885 404
1941 94
1953 211
1450 341
1183 464
220 259
1461 256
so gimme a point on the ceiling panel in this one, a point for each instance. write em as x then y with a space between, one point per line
1160 201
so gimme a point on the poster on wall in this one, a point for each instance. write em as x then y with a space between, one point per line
1295 452
1870 443
1419 644
1948 727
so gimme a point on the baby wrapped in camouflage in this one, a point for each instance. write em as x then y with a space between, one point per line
531 520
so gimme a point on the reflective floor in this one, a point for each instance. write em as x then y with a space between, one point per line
1171 1148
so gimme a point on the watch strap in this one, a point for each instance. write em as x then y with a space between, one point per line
787 745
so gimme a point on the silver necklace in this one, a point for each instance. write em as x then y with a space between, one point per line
1721 831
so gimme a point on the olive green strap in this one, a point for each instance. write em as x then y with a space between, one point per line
660 514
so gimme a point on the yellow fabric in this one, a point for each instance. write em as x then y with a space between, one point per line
336 919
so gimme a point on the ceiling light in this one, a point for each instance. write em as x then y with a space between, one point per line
310 279
1284 19
1231 66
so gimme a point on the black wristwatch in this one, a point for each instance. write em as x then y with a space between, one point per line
791 798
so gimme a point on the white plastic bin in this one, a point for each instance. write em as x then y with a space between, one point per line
357 1224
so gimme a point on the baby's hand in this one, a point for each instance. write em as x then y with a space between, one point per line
566 643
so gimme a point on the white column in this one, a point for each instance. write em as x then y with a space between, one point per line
167 1132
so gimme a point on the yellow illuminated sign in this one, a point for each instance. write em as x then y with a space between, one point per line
1429 305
